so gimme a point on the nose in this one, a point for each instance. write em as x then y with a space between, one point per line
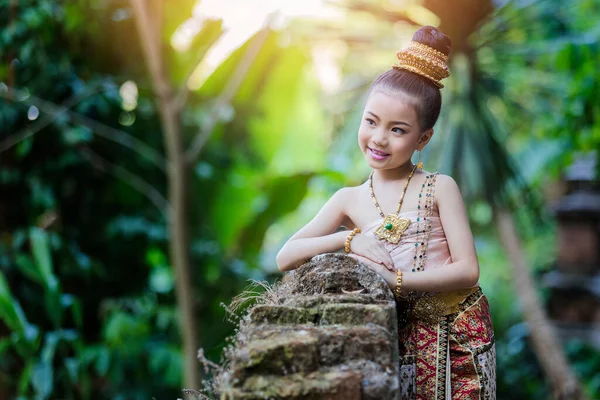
380 138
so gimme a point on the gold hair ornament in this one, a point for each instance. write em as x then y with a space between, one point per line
425 61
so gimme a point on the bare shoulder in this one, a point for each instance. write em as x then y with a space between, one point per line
445 182
341 198
348 193
447 191
329 218
346 199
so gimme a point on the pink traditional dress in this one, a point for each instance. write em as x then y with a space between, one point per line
446 340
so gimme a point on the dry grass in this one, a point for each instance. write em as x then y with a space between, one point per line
256 293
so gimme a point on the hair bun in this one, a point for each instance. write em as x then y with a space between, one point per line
426 55
434 38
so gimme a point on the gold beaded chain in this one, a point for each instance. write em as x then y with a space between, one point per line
401 196
392 227
419 260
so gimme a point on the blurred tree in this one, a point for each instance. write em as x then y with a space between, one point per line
73 95
154 22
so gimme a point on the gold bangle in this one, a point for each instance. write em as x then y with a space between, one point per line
349 239
397 292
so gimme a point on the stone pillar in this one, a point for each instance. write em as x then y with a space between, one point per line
574 302
328 331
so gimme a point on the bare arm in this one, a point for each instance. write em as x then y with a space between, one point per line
463 272
317 236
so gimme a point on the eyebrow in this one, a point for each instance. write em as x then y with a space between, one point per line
391 122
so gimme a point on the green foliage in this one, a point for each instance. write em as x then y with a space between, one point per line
87 295
37 344
522 377
293 189
559 43
10 310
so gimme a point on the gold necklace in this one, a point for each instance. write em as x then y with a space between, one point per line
392 227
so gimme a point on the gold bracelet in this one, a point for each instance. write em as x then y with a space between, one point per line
398 283
349 239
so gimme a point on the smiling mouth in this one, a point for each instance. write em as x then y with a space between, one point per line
377 152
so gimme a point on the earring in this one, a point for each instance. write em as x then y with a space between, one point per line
419 162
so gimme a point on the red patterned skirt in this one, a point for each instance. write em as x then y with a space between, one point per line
452 356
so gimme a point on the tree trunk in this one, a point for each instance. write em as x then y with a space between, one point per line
178 246
147 15
546 346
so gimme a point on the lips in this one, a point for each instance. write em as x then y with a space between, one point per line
379 153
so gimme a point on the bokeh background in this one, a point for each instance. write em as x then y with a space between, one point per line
155 155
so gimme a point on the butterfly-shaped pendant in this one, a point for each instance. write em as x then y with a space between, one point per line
392 228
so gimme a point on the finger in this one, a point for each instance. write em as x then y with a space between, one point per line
380 254
390 262
386 258
369 263
375 257
360 258
356 257
373 266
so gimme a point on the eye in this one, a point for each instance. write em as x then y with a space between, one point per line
398 130
370 121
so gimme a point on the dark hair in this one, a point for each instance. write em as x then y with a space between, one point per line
428 97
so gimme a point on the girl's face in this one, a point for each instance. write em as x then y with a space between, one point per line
389 132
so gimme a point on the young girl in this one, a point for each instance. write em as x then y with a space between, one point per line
410 226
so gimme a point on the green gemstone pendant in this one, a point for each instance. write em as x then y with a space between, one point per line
392 228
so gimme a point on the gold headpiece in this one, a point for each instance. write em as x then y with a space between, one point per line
425 61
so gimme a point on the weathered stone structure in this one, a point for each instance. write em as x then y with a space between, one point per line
574 282
328 331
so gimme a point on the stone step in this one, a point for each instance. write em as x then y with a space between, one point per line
276 354
276 350
335 344
318 385
358 314
367 380
313 301
383 315
378 381
282 315
344 345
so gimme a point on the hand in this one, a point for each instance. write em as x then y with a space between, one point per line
387 275
370 248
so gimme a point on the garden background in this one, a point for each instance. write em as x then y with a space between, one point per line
155 155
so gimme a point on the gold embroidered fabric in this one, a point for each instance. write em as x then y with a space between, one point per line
430 308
